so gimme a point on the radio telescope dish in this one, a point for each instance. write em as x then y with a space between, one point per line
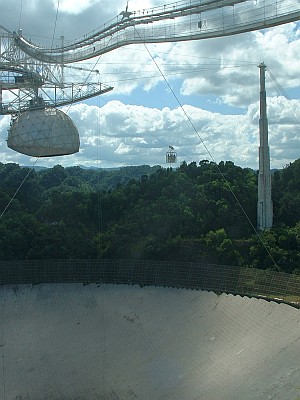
43 132
69 341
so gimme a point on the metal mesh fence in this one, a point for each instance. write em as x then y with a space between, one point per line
221 278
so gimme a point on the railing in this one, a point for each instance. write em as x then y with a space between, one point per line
281 287
196 21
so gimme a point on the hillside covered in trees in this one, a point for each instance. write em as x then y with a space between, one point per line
197 212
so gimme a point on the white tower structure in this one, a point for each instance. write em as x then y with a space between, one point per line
264 204
35 80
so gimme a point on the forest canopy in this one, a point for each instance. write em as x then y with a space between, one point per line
197 212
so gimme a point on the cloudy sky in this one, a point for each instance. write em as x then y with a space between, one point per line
205 104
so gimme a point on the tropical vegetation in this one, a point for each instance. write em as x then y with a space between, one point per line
197 212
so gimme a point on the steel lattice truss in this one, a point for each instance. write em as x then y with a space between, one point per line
27 70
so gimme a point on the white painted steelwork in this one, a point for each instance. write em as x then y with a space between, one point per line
27 69
179 21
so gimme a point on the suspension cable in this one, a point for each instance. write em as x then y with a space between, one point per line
20 16
211 156
16 192
281 91
54 29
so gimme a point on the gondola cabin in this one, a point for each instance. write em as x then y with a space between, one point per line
171 156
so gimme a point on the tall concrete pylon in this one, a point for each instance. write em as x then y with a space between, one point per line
264 203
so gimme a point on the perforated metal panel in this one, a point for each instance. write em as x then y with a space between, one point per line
69 341
42 133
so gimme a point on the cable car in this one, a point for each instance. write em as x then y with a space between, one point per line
171 156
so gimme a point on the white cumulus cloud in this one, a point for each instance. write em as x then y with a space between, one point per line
216 81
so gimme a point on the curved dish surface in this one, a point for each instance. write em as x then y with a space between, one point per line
69 341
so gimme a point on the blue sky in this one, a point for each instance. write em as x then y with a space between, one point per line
216 82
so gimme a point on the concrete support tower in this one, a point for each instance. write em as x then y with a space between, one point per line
264 204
